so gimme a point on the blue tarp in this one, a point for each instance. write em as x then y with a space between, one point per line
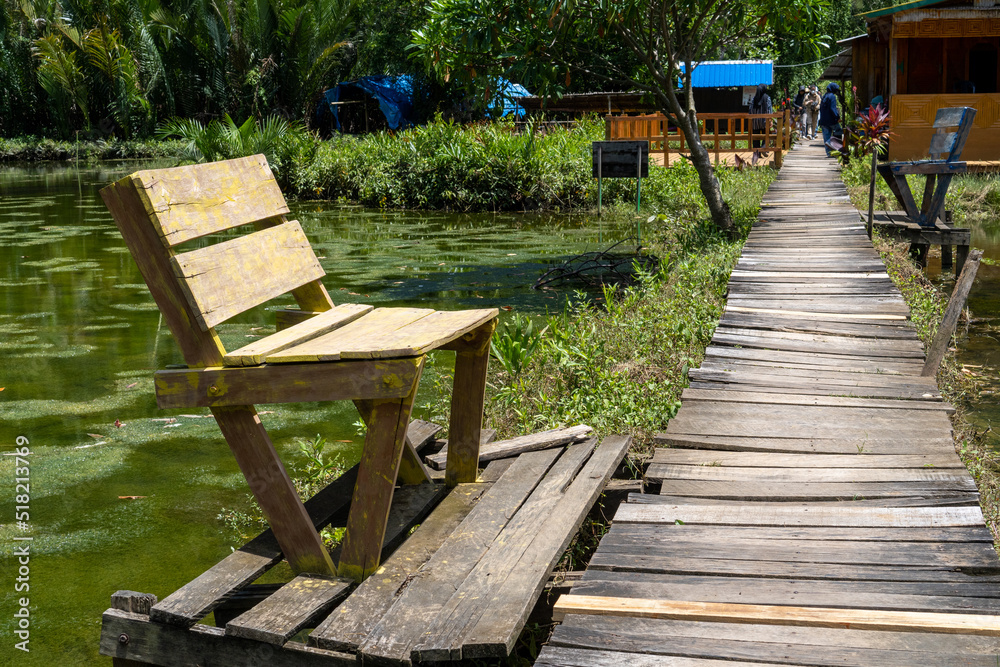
731 73
509 92
394 95
395 98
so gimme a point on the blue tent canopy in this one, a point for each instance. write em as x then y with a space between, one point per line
394 95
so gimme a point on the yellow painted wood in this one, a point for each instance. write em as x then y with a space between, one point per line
186 203
349 380
225 279
255 353
467 400
388 332
824 617
425 334
377 473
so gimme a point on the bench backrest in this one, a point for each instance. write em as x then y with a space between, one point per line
159 210
950 144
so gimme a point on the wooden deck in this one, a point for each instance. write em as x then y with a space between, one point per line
813 510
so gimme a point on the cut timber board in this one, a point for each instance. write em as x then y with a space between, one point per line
867 619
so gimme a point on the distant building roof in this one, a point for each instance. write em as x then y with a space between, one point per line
840 68
885 11
732 73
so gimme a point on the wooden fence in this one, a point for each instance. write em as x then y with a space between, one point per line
723 134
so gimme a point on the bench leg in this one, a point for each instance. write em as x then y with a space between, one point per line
411 469
945 257
273 489
377 472
467 399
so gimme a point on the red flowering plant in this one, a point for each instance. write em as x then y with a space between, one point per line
872 130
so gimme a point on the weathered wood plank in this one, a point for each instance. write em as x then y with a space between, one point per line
947 460
730 515
443 638
255 353
690 396
418 604
867 619
387 332
525 443
189 202
302 600
172 646
938 348
492 606
251 385
227 278
354 619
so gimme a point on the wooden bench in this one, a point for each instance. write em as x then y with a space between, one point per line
945 150
326 352
461 586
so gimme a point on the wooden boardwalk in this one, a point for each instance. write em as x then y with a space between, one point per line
811 493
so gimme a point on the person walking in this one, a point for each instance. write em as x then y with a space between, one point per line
829 117
797 110
760 105
811 111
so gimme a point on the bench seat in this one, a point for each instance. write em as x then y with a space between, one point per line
355 331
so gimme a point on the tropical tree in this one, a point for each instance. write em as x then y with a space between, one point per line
649 45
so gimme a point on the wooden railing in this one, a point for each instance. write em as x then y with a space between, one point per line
725 135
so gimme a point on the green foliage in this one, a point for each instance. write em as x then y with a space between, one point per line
118 66
514 344
443 165
275 137
621 363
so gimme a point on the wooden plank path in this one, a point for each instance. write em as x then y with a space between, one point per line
812 508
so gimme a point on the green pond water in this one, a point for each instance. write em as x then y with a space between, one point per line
80 338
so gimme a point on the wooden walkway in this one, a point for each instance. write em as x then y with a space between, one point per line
811 493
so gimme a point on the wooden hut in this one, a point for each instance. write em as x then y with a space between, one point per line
927 54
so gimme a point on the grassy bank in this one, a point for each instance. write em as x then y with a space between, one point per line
970 198
620 364
36 149
490 166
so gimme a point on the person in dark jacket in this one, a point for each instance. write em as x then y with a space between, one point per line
829 116
760 104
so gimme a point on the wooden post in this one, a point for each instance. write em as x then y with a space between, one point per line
961 254
599 184
950 320
715 139
135 603
945 257
638 180
778 139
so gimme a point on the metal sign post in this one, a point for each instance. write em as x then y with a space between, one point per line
621 159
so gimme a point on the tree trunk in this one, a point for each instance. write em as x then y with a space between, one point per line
702 161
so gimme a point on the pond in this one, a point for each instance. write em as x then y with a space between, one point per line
125 496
